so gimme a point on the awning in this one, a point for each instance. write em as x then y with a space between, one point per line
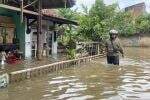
32 14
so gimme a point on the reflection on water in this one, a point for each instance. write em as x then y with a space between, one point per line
95 80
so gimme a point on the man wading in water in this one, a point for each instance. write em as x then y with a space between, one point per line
113 48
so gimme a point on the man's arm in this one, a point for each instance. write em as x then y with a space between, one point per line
121 48
121 51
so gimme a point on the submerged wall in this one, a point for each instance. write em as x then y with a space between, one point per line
136 41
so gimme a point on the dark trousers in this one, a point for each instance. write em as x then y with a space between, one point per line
113 60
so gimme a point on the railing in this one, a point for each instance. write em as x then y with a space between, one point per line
84 49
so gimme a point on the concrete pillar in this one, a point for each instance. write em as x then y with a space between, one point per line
54 44
28 43
28 46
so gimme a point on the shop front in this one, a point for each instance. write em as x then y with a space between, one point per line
7 34
14 33
11 33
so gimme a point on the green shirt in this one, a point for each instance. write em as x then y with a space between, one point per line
113 47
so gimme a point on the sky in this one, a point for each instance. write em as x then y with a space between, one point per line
122 3
87 3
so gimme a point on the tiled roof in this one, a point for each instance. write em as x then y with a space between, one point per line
51 12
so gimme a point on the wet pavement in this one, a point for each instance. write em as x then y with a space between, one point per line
93 81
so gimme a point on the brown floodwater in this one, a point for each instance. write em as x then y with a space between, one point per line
93 81
30 63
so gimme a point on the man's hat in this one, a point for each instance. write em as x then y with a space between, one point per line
113 32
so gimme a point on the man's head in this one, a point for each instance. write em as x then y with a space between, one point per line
113 34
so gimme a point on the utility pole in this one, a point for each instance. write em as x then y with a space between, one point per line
39 29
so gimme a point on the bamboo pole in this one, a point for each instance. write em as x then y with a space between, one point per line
21 11
18 9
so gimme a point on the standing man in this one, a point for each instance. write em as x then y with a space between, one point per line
113 48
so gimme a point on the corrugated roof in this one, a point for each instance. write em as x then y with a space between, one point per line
46 4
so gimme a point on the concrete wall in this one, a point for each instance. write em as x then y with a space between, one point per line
136 41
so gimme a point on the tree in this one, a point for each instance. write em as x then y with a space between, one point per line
70 34
95 24
124 23
143 23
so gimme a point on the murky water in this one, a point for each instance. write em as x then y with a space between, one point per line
30 63
93 81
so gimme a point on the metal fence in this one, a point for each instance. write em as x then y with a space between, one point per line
84 49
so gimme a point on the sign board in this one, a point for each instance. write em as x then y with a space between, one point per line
4 80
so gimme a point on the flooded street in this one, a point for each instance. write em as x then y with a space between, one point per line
93 81
30 63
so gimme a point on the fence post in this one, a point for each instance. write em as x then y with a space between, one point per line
98 49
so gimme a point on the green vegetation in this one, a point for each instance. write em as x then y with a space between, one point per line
101 18
143 24
70 34
95 23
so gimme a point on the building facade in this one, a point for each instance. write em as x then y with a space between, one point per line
16 34
137 9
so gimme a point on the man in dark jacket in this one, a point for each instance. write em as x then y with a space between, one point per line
113 48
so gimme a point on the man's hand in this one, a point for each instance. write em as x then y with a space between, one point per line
122 55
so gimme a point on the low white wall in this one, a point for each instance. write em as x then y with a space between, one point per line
136 41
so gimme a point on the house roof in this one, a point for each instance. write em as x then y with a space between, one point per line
52 14
46 4
46 16
57 3
137 4
59 20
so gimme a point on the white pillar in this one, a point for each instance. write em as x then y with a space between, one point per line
54 44
28 44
